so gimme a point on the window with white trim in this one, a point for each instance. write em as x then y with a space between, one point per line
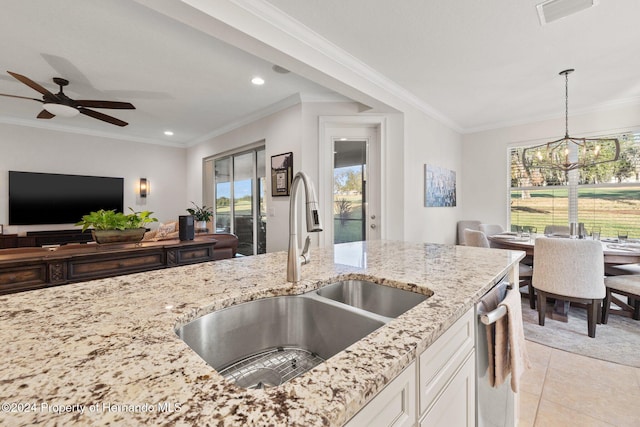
605 196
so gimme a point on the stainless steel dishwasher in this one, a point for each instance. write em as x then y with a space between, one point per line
495 406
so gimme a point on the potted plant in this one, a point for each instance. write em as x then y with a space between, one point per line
110 226
201 215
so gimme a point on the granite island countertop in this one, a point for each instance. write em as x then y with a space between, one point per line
105 352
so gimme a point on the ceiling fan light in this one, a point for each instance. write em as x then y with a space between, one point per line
61 110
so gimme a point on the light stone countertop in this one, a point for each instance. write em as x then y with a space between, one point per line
105 352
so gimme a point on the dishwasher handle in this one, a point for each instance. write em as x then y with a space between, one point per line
500 311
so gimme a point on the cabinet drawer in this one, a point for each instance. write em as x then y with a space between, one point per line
439 362
22 277
190 255
393 406
87 269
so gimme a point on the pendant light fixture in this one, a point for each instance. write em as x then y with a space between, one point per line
571 153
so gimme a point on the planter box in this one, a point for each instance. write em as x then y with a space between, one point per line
118 236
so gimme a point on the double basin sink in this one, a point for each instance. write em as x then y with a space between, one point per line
267 342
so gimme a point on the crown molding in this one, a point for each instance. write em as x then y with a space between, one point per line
272 109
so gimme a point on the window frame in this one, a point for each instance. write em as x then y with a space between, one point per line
572 185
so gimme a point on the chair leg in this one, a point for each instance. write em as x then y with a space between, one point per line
532 296
542 306
592 315
605 308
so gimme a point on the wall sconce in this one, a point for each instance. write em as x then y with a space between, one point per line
144 187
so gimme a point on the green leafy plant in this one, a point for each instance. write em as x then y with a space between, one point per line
343 206
201 213
112 220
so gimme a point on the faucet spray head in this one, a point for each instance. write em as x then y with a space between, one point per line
314 224
313 218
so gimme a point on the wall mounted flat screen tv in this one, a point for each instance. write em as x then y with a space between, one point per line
46 198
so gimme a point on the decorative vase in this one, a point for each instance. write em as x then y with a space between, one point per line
201 227
131 235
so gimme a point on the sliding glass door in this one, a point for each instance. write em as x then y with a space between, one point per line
238 194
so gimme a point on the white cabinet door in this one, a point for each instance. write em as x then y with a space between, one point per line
440 361
455 406
394 406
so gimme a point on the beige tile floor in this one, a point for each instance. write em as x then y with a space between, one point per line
565 389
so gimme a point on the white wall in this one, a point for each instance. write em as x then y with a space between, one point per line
485 156
426 141
38 150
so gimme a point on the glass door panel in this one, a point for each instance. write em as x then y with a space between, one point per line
349 191
223 195
262 206
240 204
243 208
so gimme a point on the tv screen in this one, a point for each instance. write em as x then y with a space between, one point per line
45 198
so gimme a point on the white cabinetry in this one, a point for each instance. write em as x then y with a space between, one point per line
394 406
439 390
447 377
455 405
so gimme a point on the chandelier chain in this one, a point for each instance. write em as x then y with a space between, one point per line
566 105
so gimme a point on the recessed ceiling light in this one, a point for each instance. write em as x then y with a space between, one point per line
258 81
168 133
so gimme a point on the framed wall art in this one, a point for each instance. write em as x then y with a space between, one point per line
440 187
281 174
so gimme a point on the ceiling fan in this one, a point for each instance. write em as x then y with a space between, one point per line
60 104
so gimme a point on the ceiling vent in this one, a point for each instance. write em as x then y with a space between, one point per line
552 10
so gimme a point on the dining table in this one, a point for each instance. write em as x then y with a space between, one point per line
615 253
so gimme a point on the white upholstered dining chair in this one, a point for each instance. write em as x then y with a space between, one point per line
463 225
570 270
491 229
479 239
475 238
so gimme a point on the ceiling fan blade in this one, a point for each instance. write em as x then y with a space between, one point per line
44 114
32 84
21 97
105 104
103 117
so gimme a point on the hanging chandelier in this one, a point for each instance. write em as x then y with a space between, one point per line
570 153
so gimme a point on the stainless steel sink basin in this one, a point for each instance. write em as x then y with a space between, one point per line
369 296
266 342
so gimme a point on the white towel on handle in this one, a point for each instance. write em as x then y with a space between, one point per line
489 303
510 351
